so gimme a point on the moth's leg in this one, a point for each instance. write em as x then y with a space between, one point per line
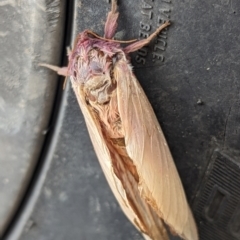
60 71
111 22
139 44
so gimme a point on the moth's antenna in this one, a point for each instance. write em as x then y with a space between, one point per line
109 40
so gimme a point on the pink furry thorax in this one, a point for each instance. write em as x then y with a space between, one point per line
91 56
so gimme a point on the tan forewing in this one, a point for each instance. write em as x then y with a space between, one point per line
103 155
159 183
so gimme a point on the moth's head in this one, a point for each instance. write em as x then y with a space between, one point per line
94 71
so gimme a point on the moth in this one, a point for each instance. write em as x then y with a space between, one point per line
126 135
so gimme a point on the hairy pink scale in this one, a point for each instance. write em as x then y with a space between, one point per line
84 45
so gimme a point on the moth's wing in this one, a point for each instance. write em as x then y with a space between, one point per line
159 182
103 155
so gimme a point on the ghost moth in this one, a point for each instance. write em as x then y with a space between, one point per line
126 135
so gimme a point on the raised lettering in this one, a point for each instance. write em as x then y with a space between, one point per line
164 43
158 56
165 12
146 5
159 47
143 34
145 26
139 59
148 13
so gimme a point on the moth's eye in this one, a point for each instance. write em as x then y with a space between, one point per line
95 67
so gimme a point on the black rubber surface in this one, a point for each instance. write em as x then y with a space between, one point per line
191 76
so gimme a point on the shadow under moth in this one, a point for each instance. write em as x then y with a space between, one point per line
126 135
